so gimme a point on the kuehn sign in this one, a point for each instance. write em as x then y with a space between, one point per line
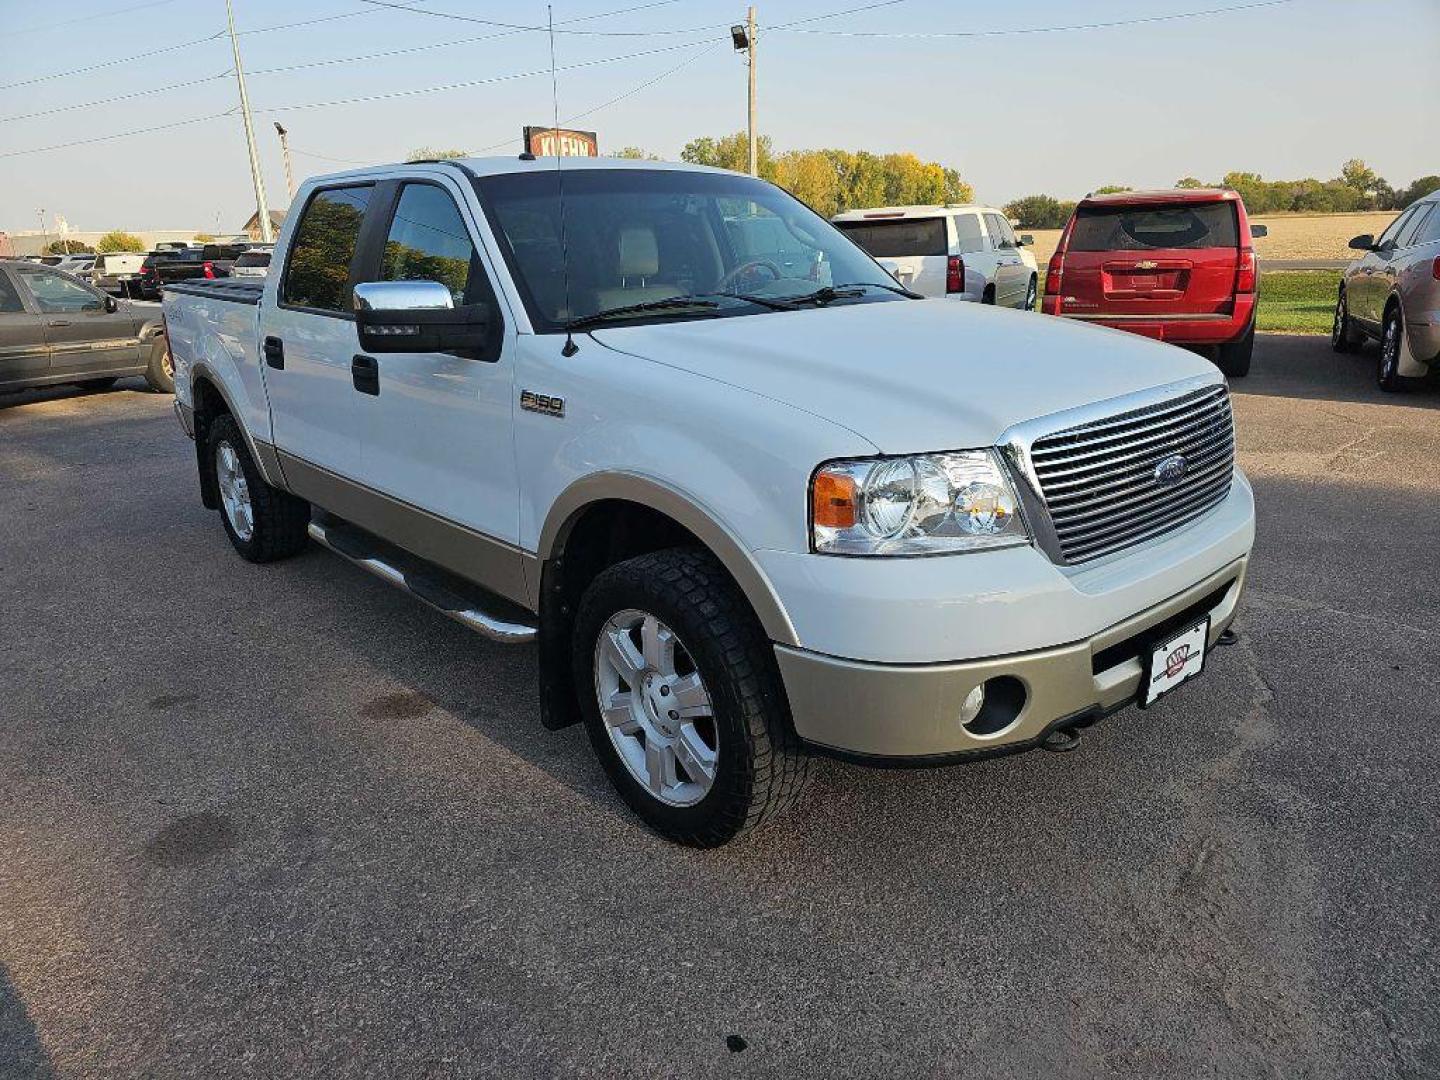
561 142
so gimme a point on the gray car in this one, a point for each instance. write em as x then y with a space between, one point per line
1392 294
55 328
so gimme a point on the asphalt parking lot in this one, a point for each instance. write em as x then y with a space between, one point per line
282 821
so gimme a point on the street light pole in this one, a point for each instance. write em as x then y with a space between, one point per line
750 33
285 151
44 232
262 211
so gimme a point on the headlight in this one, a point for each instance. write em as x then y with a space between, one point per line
931 504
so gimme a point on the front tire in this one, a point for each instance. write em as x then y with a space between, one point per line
682 698
1392 341
264 523
160 371
1343 336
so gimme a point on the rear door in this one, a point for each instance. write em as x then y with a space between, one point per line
24 355
1163 260
307 334
84 337
915 249
1012 276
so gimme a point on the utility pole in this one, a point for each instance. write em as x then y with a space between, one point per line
262 211
750 34
44 232
285 150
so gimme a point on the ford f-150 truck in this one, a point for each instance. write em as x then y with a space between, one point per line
748 513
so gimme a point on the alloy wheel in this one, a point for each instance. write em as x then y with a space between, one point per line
655 708
234 490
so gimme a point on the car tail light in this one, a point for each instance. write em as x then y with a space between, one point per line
955 274
1245 276
1435 268
209 269
1053 274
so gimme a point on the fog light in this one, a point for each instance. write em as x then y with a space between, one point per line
973 703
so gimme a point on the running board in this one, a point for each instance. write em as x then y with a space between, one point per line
416 578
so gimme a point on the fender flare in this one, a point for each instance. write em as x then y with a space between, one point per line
675 504
262 453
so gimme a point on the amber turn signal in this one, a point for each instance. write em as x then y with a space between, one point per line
833 501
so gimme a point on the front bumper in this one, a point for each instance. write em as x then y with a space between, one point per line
888 711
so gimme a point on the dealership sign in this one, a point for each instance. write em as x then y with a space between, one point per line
561 142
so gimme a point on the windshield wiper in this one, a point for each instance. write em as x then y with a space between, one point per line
639 309
830 293
772 302
900 289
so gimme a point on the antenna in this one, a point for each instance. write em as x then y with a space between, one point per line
569 348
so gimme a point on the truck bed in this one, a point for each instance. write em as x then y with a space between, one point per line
235 290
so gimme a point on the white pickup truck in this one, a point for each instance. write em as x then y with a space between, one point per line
750 507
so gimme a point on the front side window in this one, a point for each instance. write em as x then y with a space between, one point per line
1429 229
1142 228
318 272
641 236
428 241
1389 235
55 293
1409 235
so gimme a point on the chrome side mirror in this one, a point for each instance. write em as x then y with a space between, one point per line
402 296
421 316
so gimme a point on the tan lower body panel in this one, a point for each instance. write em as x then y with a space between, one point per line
892 710
489 563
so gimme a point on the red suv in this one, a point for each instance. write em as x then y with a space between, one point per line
1174 265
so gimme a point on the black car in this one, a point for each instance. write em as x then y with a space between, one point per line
54 328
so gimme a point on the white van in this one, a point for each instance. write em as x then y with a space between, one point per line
962 252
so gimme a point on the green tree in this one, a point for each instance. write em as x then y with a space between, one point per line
116 240
634 153
731 152
427 153
1040 212
68 247
1418 190
1190 183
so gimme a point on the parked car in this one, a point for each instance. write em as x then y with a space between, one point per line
1177 266
1392 294
78 265
117 272
167 266
57 329
961 252
254 262
746 515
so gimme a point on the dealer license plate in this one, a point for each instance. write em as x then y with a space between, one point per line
1175 660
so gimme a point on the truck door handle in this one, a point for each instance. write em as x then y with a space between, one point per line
60 322
275 353
365 374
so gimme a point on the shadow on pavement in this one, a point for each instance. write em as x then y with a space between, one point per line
1304 366
22 1057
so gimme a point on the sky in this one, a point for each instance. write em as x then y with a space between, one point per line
1286 89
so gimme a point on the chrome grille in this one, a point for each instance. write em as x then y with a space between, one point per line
1099 483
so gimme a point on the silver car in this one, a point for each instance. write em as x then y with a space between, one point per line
1392 294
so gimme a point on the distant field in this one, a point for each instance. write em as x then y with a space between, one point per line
1292 236
1291 301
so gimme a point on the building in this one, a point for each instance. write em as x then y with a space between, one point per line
252 224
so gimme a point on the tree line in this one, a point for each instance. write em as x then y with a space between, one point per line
1358 187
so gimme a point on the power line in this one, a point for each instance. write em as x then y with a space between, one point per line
111 63
87 18
116 135
544 29
118 97
1110 24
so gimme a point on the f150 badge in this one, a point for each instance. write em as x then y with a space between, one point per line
542 403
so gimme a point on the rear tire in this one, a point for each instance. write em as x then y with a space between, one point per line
675 619
1344 338
160 372
1032 294
1392 342
264 523
988 296
1233 358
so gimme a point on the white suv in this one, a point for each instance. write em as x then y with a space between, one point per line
962 252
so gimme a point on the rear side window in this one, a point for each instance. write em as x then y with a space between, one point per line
899 236
1000 231
1141 228
324 246
968 234
9 297
428 241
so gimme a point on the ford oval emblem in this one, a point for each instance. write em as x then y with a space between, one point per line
1171 470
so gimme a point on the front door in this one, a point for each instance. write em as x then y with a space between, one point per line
437 434
307 334
1374 285
23 352
85 338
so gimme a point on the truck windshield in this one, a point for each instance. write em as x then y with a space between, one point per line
640 235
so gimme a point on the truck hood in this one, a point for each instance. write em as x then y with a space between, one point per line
912 377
